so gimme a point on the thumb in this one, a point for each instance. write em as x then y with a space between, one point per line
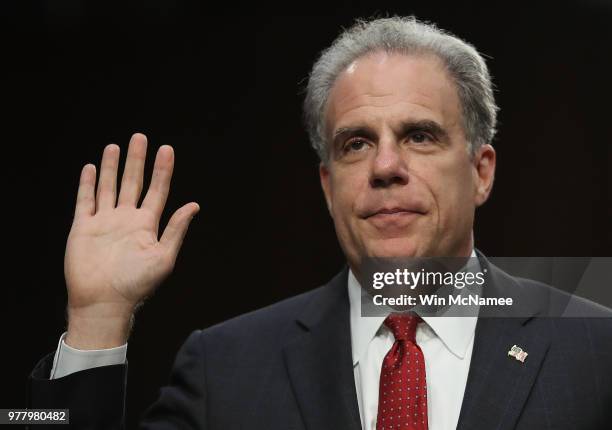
175 231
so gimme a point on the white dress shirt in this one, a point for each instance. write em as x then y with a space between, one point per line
69 360
446 343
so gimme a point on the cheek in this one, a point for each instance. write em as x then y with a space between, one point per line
450 183
346 187
342 212
458 199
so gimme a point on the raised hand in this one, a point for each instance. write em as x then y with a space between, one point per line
114 259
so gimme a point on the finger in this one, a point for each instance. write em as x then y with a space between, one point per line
175 231
131 181
86 203
157 194
107 184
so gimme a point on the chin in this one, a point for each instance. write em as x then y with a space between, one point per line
389 248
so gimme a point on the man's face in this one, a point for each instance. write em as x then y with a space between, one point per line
400 181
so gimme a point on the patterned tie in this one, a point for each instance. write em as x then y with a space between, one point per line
402 395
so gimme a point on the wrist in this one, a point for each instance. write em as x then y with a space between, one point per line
100 330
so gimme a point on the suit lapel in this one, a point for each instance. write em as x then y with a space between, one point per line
319 363
498 385
318 358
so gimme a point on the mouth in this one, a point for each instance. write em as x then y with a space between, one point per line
393 218
392 212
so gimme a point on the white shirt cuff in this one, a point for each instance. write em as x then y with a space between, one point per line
69 360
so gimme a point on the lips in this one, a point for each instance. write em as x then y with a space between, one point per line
391 221
396 210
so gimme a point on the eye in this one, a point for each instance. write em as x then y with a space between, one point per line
420 138
355 145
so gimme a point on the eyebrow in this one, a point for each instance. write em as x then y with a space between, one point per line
405 128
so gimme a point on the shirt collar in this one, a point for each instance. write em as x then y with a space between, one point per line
454 332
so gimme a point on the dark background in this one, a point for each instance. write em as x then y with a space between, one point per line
225 92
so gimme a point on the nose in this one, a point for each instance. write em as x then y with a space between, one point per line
388 167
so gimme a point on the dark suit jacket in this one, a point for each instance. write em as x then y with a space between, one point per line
289 366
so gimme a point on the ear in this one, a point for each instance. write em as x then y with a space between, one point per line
484 171
324 175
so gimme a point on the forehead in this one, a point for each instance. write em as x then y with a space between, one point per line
388 86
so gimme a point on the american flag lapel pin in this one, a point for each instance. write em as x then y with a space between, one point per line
518 353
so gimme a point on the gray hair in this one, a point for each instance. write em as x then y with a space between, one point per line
405 35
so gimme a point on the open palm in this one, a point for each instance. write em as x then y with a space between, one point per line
114 259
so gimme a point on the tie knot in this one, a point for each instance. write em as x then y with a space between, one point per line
403 326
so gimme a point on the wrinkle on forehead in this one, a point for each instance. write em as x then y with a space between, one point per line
384 80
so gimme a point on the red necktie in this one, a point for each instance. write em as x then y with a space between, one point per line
402 395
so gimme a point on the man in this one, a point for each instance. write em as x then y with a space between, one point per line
402 116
